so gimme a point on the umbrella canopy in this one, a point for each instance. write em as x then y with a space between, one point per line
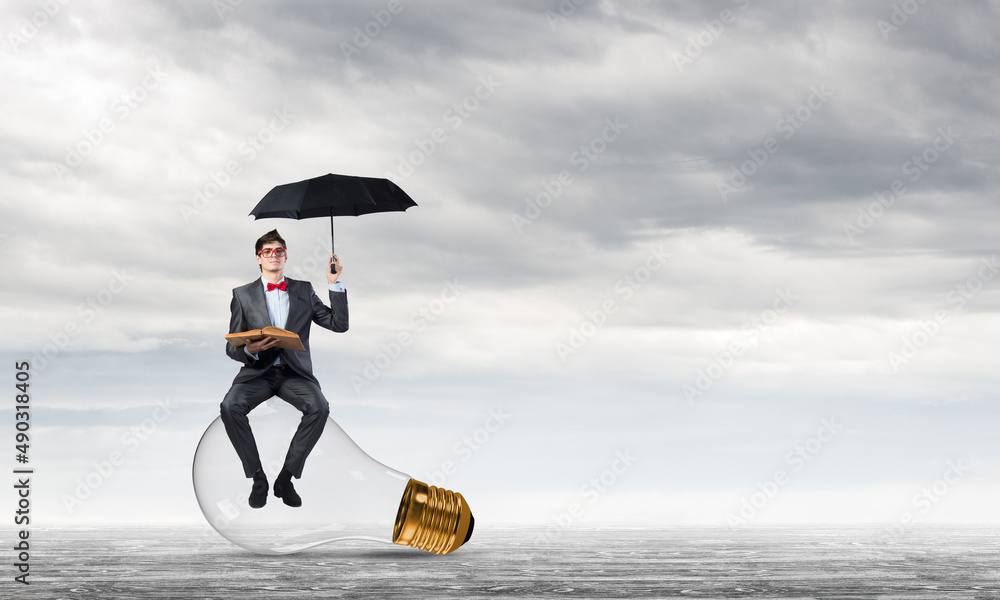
331 196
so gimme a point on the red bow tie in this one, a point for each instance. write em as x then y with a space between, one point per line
276 286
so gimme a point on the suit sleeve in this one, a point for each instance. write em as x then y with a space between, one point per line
333 317
237 323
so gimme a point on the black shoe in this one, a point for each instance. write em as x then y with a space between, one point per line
258 495
284 489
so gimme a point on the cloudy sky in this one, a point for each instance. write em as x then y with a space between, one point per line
726 262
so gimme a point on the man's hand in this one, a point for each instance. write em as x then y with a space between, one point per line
330 276
266 343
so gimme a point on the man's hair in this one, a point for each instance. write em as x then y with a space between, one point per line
267 238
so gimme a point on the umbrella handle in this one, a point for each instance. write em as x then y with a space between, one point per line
333 264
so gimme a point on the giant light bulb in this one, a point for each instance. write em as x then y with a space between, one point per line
346 494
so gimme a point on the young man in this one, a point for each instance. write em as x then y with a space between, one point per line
268 371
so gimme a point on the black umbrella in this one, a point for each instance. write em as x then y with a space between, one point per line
334 196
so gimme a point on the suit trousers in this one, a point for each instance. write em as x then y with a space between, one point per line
284 383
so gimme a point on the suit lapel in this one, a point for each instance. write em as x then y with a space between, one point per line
257 297
294 301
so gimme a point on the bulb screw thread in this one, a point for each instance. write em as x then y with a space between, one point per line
432 519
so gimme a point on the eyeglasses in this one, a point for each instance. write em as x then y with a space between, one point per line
268 252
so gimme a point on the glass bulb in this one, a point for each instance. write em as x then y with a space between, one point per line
346 494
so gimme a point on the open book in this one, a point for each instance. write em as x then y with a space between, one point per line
289 339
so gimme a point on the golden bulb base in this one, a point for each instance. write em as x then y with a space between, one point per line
432 519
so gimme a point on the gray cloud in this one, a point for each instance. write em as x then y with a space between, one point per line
550 158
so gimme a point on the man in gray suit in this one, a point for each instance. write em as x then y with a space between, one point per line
268 371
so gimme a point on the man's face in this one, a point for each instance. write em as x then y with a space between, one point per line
272 262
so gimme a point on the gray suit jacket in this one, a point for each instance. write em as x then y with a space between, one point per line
249 311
